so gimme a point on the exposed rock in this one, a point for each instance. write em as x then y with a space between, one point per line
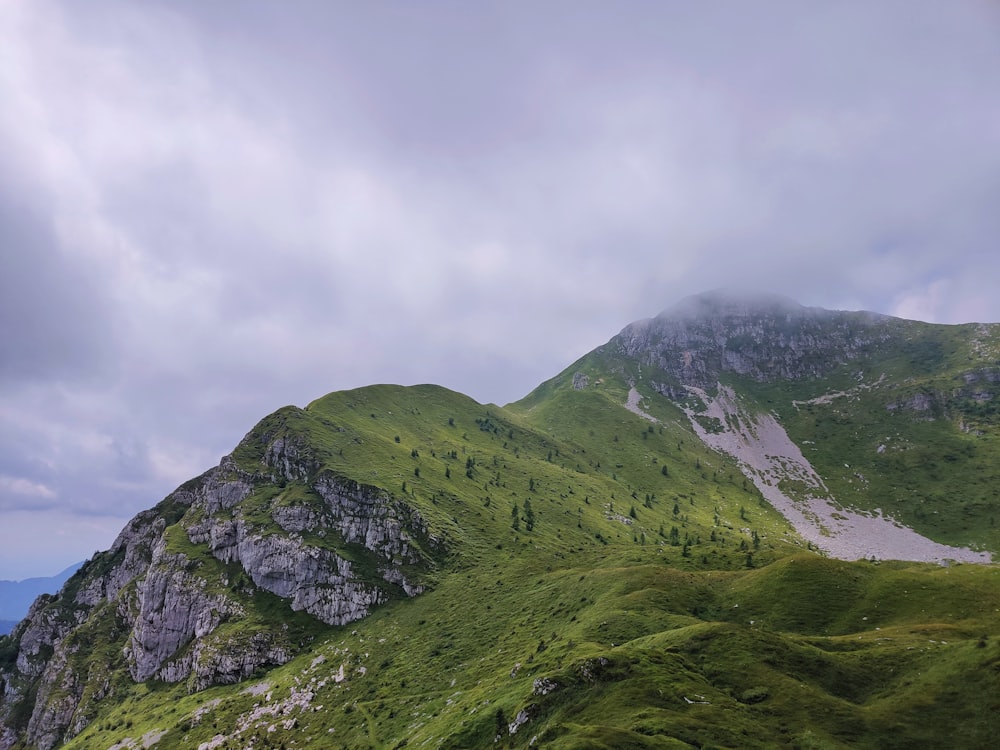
769 458
592 670
58 695
174 608
314 578
765 338
367 516
918 402
544 686
38 635
522 718
168 606
985 374
226 660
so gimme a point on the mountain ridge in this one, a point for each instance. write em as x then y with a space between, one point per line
408 522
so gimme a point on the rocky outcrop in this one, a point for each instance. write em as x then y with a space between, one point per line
227 660
59 694
764 338
311 578
180 578
43 688
175 607
364 516
980 386
922 403
104 577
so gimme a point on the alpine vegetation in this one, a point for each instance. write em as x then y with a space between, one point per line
740 523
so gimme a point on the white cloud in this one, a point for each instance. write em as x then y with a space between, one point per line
25 487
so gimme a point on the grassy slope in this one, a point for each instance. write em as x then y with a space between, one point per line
798 651
891 659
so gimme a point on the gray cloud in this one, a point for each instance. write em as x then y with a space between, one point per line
206 215
53 320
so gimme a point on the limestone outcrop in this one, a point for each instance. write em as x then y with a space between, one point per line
765 338
170 600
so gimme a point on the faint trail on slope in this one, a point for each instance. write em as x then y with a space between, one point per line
827 398
768 457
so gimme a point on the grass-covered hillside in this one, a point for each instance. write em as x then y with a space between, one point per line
592 575
894 415
653 602
612 650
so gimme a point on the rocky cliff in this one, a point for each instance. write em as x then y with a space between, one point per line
220 579
765 338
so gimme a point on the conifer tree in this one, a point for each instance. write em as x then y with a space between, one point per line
529 516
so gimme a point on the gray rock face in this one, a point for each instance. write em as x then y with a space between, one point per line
766 339
366 516
58 696
224 488
314 579
918 402
224 660
41 632
129 556
174 608
166 587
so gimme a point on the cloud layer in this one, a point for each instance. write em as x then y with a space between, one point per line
208 214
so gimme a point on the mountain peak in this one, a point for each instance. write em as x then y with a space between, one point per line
764 336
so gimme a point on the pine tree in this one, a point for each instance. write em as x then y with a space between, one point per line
529 516
515 517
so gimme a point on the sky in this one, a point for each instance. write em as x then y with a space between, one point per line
209 210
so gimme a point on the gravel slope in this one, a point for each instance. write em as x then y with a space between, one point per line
767 456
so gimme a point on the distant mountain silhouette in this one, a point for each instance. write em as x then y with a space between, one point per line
16 596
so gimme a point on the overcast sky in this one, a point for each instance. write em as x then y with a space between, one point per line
209 210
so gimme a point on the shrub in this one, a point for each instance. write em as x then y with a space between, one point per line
754 695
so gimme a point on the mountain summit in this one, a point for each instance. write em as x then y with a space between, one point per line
735 524
761 336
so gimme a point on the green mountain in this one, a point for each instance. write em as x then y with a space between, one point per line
742 523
